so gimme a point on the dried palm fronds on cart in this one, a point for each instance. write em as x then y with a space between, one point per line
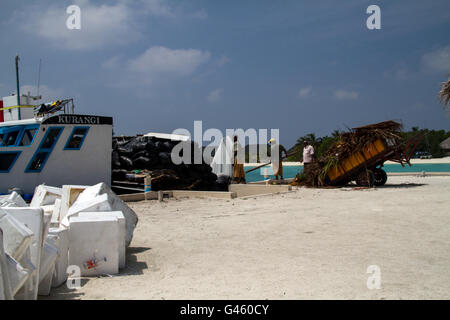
346 144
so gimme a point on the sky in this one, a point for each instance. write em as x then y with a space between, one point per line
297 66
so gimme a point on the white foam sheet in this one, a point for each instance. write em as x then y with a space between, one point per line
68 196
116 204
55 214
29 289
94 239
122 231
33 218
16 273
61 263
45 195
49 255
17 237
12 200
48 208
47 221
97 204
5 286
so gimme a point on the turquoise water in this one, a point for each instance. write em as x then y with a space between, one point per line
291 171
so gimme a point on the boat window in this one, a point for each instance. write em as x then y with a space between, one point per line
7 160
28 137
10 138
50 138
2 135
76 138
38 161
42 154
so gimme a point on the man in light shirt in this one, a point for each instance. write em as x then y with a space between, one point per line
308 156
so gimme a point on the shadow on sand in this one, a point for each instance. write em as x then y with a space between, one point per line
133 266
349 187
402 185
64 293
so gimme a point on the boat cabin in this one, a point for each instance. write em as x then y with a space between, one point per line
64 149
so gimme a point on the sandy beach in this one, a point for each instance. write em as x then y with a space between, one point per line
305 244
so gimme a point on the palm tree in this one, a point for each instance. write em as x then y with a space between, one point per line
335 134
444 94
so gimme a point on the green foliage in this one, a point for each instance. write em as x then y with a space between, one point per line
430 142
323 147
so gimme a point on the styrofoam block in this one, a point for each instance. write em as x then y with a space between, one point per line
47 220
45 195
60 274
94 244
45 285
55 215
68 197
16 273
116 204
12 200
5 286
48 208
33 218
30 288
122 231
50 253
17 237
100 203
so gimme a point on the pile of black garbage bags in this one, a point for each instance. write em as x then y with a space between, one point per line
152 156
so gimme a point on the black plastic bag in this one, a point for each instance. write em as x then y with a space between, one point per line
126 163
141 163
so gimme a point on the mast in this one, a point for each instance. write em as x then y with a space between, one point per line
17 83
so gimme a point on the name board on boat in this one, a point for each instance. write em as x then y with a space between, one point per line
79 119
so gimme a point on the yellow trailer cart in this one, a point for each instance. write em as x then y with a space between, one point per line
365 166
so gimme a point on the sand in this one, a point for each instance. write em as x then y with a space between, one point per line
306 244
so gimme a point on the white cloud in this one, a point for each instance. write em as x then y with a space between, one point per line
48 94
158 8
200 14
100 25
437 60
215 95
111 63
305 92
346 95
157 67
162 60
399 73
223 60
115 23
161 8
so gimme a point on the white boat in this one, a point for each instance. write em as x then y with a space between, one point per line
54 149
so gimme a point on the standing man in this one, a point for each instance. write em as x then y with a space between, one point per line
238 163
276 158
308 156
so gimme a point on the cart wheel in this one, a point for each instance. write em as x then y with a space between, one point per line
365 178
380 177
